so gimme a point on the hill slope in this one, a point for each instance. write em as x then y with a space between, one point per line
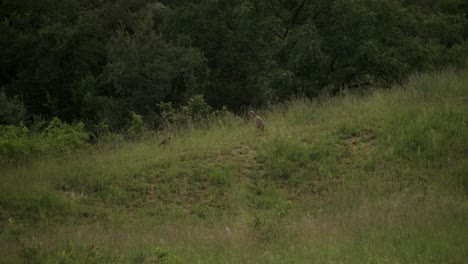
380 178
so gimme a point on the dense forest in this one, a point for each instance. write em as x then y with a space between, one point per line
105 63
236 131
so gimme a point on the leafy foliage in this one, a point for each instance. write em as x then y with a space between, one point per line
137 126
97 62
18 143
196 112
144 69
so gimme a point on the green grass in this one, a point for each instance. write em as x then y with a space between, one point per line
376 178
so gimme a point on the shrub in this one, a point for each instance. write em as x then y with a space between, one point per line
137 126
198 109
61 136
195 113
15 142
18 142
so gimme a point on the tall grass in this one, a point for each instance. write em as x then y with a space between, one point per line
376 178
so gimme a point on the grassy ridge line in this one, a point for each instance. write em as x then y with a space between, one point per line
378 178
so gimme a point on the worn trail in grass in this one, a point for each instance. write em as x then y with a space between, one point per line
376 178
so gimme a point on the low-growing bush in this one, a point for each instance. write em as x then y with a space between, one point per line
196 113
137 126
60 136
19 143
16 143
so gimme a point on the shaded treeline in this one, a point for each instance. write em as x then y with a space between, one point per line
98 61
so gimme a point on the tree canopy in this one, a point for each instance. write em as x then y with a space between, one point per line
99 61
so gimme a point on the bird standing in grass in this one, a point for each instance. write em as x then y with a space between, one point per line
228 231
258 120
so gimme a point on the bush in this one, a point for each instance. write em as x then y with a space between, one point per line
137 126
61 136
195 113
18 142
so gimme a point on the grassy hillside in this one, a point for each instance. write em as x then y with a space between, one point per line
377 178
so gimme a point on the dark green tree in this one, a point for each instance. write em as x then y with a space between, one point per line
143 69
